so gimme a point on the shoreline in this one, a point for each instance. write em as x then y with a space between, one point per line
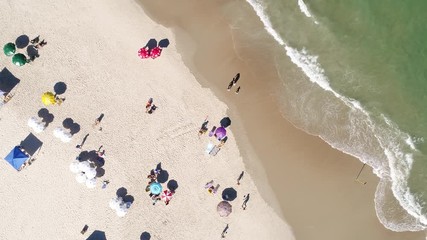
342 167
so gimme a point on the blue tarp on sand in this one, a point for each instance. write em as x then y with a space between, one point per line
16 158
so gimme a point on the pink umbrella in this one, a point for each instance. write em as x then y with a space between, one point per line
144 53
166 195
155 52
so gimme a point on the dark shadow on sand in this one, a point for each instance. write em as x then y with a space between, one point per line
164 43
46 116
225 122
85 155
152 43
172 185
32 52
145 236
163 176
123 193
99 172
60 88
22 41
69 123
7 80
31 144
97 235
229 194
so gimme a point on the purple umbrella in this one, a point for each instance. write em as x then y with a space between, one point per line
220 133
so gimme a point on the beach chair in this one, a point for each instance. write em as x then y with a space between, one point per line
214 150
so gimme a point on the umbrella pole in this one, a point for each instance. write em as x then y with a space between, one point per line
357 178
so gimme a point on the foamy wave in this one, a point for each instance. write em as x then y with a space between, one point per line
397 146
304 9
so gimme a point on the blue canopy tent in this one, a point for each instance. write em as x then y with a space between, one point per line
17 157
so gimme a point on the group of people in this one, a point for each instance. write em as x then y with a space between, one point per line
150 107
233 82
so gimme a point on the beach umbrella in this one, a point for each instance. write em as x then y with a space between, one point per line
115 203
122 210
90 173
220 133
224 208
225 122
166 195
39 127
144 53
32 122
91 183
81 177
155 188
74 166
84 166
48 98
57 132
19 59
9 49
155 52
66 136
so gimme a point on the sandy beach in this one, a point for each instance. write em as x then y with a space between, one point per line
300 187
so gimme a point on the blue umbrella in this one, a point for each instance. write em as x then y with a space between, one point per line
16 157
155 188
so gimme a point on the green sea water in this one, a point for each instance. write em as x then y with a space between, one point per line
365 91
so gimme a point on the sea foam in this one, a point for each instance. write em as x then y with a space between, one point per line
304 9
397 157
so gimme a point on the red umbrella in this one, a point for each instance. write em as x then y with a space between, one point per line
166 195
155 52
144 53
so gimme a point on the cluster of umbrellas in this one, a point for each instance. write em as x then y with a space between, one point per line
145 52
119 206
18 59
62 134
85 173
156 189
37 125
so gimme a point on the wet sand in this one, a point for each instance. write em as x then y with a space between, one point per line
309 183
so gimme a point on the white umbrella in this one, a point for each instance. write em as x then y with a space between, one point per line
66 137
32 122
91 183
39 127
84 166
122 210
90 173
74 166
58 132
81 177
115 203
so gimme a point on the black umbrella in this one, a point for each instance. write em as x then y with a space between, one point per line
225 122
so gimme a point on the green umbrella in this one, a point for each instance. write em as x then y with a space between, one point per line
19 59
9 49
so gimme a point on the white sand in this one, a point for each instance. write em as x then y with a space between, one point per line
92 47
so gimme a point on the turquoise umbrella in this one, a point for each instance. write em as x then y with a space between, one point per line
19 59
9 49
155 188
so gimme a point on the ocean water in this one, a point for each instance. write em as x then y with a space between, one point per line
364 90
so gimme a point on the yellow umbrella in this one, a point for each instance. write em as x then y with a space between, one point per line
48 98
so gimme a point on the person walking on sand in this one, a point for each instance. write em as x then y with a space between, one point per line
148 105
238 90
240 177
245 201
230 85
236 78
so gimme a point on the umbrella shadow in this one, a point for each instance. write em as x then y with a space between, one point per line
152 43
172 185
100 172
164 43
85 155
229 194
22 41
32 52
46 116
7 80
60 88
225 122
163 176
123 193
69 123
145 236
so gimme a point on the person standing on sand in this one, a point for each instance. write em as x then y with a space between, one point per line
240 177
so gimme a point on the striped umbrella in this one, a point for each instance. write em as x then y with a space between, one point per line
155 52
166 195
144 53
